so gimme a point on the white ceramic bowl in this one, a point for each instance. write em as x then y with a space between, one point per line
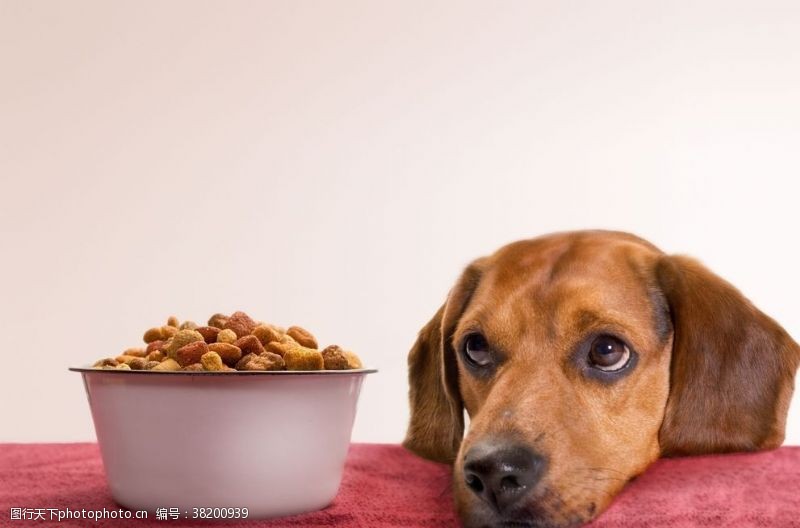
272 442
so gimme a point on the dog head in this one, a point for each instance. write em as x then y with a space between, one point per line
581 358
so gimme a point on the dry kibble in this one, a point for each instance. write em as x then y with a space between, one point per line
334 358
167 364
302 358
267 334
218 320
230 343
240 323
154 345
211 361
353 361
254 364
226 336
229 353
153 334
209 333
245 359
106 362
191 353
138 363
182 338
156 355
280 348
266 361
250 345
125 359
272 361
302 336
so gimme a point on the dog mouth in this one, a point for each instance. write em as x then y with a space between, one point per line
525 523
522 522
545 509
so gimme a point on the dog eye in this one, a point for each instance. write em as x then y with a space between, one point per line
476 350
608 353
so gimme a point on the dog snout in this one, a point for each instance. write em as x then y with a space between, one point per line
501 473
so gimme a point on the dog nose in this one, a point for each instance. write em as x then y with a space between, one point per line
501 473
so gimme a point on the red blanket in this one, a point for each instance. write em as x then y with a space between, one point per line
385 485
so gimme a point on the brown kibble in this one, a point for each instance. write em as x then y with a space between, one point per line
250 345
182 338
302 336
212 362
156 355
226 336
254 364
245 359
153 346
267 334
125 359
229 353
105 362
273 361
302 358
209 333
153 334
167 364
138 363
280 348
334 358
218 320
240 323
353 361
191 353
266 361
228 343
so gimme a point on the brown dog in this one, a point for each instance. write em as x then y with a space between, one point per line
581 358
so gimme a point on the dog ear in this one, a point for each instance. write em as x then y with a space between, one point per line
732 370
436 426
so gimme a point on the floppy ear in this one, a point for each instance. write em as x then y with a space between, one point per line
732 370
436 427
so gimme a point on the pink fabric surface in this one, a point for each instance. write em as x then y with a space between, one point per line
385 486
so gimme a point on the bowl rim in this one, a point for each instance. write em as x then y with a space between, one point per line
228 373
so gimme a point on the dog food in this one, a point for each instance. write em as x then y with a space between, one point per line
228 343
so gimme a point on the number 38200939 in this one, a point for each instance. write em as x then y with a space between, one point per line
219 513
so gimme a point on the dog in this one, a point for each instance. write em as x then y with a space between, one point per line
580 358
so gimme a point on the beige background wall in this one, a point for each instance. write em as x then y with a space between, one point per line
335 164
